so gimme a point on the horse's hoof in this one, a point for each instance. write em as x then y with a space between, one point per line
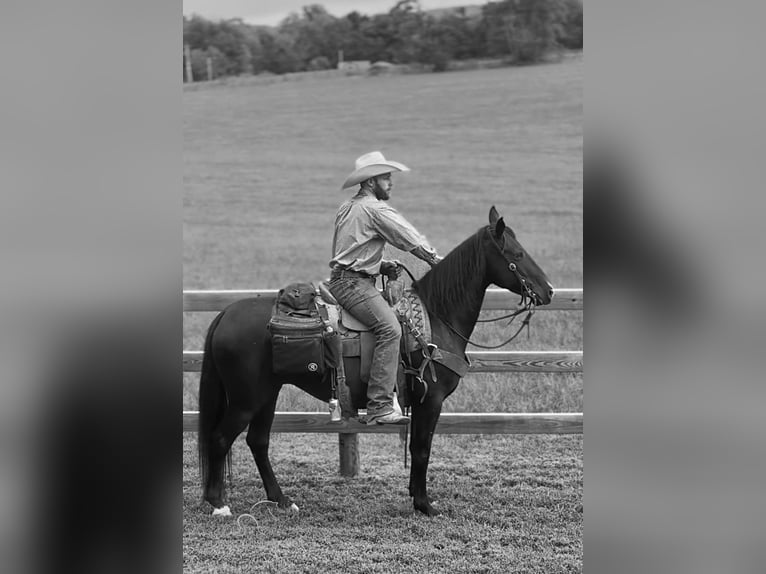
223 511
427 509
286 504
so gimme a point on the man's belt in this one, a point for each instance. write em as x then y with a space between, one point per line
340 272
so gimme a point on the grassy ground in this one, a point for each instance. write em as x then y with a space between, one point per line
262 170
510 504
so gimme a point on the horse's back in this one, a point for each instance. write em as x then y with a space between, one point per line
241 330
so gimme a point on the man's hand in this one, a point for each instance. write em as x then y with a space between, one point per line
426 254
435 260
390 268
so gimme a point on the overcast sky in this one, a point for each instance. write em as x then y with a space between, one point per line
271 12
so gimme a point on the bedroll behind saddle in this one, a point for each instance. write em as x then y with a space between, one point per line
300 340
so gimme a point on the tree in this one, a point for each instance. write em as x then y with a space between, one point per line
494 28
253 51
279 54
438 44
198 32
199 59
353 41
315 33
406 30
524 30
571 36
223 40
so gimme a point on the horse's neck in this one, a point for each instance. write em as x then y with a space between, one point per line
463 317
463 313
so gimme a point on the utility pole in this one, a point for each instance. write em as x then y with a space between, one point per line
209 69
187 58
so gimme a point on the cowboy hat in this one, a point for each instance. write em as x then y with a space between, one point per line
369 165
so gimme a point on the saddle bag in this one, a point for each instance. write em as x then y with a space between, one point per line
297 332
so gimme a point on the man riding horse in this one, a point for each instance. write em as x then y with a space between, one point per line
363 226
239 388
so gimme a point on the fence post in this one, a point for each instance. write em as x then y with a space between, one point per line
188 67
348 448
348 443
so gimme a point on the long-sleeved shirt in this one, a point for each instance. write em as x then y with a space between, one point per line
363 226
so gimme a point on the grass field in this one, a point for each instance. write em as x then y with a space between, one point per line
262 170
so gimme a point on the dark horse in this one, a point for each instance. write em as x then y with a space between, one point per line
237 387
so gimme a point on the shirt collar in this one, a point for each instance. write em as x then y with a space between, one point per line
362 193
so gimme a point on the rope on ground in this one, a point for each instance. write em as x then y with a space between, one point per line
248 515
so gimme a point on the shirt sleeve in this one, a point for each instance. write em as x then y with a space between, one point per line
396 230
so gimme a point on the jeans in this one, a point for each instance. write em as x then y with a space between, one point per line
360 297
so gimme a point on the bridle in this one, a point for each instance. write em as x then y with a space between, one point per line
526 291
527 301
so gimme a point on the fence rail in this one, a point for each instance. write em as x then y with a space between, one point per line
449 423
481 361
494 300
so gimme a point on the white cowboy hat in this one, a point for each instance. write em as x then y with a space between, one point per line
369 165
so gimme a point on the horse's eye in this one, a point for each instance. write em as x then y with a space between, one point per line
518 256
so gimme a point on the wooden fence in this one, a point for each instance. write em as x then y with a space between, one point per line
452 423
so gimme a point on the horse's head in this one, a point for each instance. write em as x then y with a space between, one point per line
509 265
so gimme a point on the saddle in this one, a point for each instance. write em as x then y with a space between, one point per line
358 342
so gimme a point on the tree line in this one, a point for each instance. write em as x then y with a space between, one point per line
517 31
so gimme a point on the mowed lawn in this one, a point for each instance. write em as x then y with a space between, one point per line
263 167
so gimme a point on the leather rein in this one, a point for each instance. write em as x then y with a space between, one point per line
527 301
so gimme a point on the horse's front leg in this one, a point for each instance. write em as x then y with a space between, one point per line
424 419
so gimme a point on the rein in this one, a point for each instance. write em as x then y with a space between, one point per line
527 301
524 323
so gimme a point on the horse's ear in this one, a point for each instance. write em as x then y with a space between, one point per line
493 216
499 228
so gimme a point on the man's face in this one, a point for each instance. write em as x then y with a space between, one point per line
383 186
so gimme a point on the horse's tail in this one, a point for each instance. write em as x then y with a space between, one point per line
212 402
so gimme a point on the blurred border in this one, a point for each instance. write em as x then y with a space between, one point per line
674 324
90 229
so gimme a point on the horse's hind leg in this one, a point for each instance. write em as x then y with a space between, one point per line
258 440
231 426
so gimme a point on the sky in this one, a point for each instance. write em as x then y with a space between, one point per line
272 12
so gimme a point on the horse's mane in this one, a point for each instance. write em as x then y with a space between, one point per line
443 287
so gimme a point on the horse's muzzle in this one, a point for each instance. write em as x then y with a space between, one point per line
547 297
